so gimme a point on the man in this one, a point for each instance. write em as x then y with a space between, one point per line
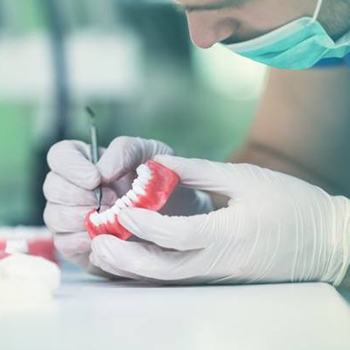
274 227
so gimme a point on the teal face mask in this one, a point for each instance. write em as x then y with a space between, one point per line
298 45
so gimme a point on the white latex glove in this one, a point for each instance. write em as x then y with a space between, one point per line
276 228
69 187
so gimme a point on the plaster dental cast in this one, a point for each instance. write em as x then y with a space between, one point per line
277 212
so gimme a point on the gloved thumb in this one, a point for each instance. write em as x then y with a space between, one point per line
125 154
222 178
172 232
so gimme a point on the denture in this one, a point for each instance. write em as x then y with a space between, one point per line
36 246
150 190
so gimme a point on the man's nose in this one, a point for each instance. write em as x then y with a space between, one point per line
205 31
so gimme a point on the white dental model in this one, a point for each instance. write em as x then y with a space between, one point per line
27 281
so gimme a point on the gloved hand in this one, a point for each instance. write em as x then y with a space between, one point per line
276 228
69 187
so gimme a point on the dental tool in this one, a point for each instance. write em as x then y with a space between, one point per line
94 151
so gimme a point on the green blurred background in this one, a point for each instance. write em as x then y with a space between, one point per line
133 62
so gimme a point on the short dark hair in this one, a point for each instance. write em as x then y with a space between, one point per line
335 17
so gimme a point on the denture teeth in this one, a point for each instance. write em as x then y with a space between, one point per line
110 216
115 209
142 179
95 219
126 201
120 204
144 172
137 182
138 189
143 169
132 195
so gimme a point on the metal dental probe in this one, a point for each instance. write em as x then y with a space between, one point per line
94 150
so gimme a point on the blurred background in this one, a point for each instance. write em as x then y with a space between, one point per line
133 63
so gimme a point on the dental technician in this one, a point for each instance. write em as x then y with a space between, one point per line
286 217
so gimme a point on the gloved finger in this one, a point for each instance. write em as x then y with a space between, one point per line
72 244
111 271
222 178
145 260
75 247
61 218
125 154
70 159
124 184
117 275
177 232
60 191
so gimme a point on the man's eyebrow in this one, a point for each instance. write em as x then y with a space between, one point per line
211 7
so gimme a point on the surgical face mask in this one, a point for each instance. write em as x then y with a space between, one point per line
298 45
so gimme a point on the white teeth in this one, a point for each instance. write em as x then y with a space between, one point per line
120 204
95 219
137 182
115 209
142 180
138 189
143 170
110 216
132 195
126 201
144 173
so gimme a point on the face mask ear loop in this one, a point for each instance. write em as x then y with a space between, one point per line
317 11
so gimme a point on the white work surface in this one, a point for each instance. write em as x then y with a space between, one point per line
93 314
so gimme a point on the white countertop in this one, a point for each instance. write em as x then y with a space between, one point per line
90 313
